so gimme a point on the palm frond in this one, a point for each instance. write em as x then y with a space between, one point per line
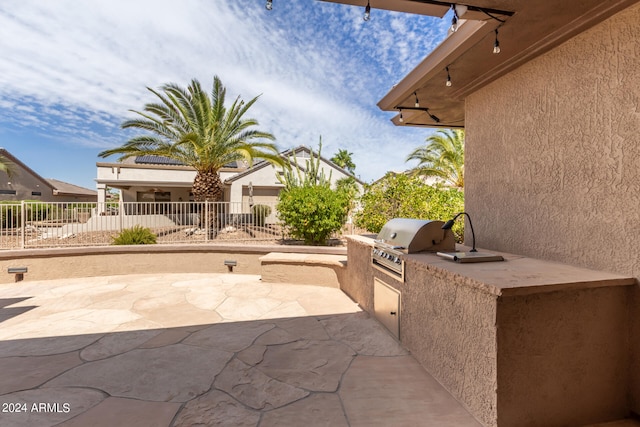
197 129
442 157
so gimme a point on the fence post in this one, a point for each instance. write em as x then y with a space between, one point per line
23 220
206 220
120 213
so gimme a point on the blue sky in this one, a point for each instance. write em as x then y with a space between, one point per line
71 70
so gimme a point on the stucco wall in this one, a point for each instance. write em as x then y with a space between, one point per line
358 280
563 358
450 328
58 263
553 157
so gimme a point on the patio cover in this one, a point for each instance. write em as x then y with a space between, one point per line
530 28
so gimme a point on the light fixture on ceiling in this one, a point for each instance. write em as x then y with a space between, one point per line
433 116
417 104
367 12
458 11
454 19
496 44
426 110
448 84
269 5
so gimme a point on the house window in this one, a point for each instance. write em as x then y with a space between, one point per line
36 193
7 191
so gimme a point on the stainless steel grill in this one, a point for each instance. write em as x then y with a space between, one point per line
401 236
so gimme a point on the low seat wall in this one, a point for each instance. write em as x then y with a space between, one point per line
47 264
303 268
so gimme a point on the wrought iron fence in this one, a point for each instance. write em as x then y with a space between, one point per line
43 225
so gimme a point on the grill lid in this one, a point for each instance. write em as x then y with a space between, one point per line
416 235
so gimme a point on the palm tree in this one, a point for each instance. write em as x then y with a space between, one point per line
199 131
343 159
443 157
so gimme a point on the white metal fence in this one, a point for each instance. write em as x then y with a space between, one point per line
42 225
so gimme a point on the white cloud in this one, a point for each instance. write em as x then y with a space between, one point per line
77 67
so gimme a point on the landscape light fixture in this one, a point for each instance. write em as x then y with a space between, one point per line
269 5
448 84
417 104
367 12
447 226
496 45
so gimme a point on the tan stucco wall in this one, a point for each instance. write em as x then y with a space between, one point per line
553 158
60 263
563 358
358 278
522 342
450 329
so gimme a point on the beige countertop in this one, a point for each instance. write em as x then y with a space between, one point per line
516 275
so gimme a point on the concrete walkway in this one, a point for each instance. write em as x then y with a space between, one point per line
205 349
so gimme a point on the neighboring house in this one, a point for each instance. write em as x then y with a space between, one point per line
25 184
152 179
158 179
263 181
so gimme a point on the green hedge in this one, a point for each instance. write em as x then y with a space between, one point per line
313 213
402 196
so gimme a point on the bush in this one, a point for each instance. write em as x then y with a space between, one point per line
11 212
40 211
313 213
260 213
137 235
402 196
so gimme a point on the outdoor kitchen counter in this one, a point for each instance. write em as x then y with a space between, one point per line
520 342
516 275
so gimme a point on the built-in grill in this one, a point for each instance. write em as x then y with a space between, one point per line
401 236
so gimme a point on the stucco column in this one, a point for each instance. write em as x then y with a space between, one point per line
102 198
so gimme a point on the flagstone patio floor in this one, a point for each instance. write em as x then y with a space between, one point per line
205 349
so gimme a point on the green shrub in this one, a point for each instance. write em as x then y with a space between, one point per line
137 235
312 213
11 212
402 196
39 211
260 213
10 215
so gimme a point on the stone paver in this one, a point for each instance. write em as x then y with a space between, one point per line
205 349
116 411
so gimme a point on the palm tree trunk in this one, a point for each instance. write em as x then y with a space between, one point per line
207 187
